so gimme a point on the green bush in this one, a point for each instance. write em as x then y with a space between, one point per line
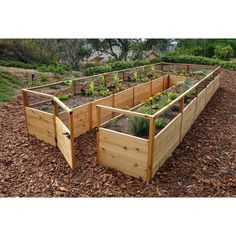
119 65
9 63
54 67
63 97
200 60
44 79
224 52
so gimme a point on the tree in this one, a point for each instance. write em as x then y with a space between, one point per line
224 53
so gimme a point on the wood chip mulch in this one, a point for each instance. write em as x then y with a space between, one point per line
204 164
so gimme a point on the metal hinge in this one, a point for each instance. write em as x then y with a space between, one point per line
67 135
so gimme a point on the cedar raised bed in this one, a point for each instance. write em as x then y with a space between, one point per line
142 157
60 128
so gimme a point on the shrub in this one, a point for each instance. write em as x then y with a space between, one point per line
44 79
54 67
224 52
63 97
9 63
172 95
200 60
139 126
119 65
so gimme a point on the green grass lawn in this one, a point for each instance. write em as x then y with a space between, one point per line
8 85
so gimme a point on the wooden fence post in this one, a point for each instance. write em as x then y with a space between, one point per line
150 148
72 139
55 114
25 104
181 121
123 75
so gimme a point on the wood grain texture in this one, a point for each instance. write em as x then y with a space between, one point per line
41 125
200 102
64 143
123 152
106 115
188 117
141 93
210 91
124 99
165 143
174 79
157 85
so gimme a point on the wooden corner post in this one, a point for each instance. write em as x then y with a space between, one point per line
150 148
181 121
97 135
25 104
55 114
72 139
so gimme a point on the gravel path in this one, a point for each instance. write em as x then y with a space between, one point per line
203 165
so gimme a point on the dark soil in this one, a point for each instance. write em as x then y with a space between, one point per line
203 165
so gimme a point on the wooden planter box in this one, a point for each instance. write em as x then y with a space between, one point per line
60 129
141 157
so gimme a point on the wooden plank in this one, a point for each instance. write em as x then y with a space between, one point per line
41 124
124 99
64 144
174 79
157 85
141 93
188 117
44 138
200 102
165 143
81 119
72 144
41 115
106 115
150 148
124 153
47 131
209 91
217 82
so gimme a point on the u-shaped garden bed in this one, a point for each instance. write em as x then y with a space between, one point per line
58 121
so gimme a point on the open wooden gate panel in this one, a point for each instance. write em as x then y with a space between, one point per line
64 142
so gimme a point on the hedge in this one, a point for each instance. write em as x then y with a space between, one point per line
119 65
200 60
53 67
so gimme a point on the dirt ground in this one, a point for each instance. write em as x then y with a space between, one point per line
204 164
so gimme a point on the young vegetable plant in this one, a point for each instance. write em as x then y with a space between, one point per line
63 97
172 95
160 123
91 89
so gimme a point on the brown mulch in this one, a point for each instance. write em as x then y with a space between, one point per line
203 165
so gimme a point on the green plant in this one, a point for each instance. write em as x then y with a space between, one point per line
135 76
8 85
139 126
104 81
172 95
105 93
160 123
144 79
63 97
224 52
44 79
91 89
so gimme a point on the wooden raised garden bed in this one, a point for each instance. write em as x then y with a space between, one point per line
59 122
142 156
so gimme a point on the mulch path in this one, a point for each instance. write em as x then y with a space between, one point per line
204 164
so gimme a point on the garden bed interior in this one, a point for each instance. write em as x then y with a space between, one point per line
60 122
